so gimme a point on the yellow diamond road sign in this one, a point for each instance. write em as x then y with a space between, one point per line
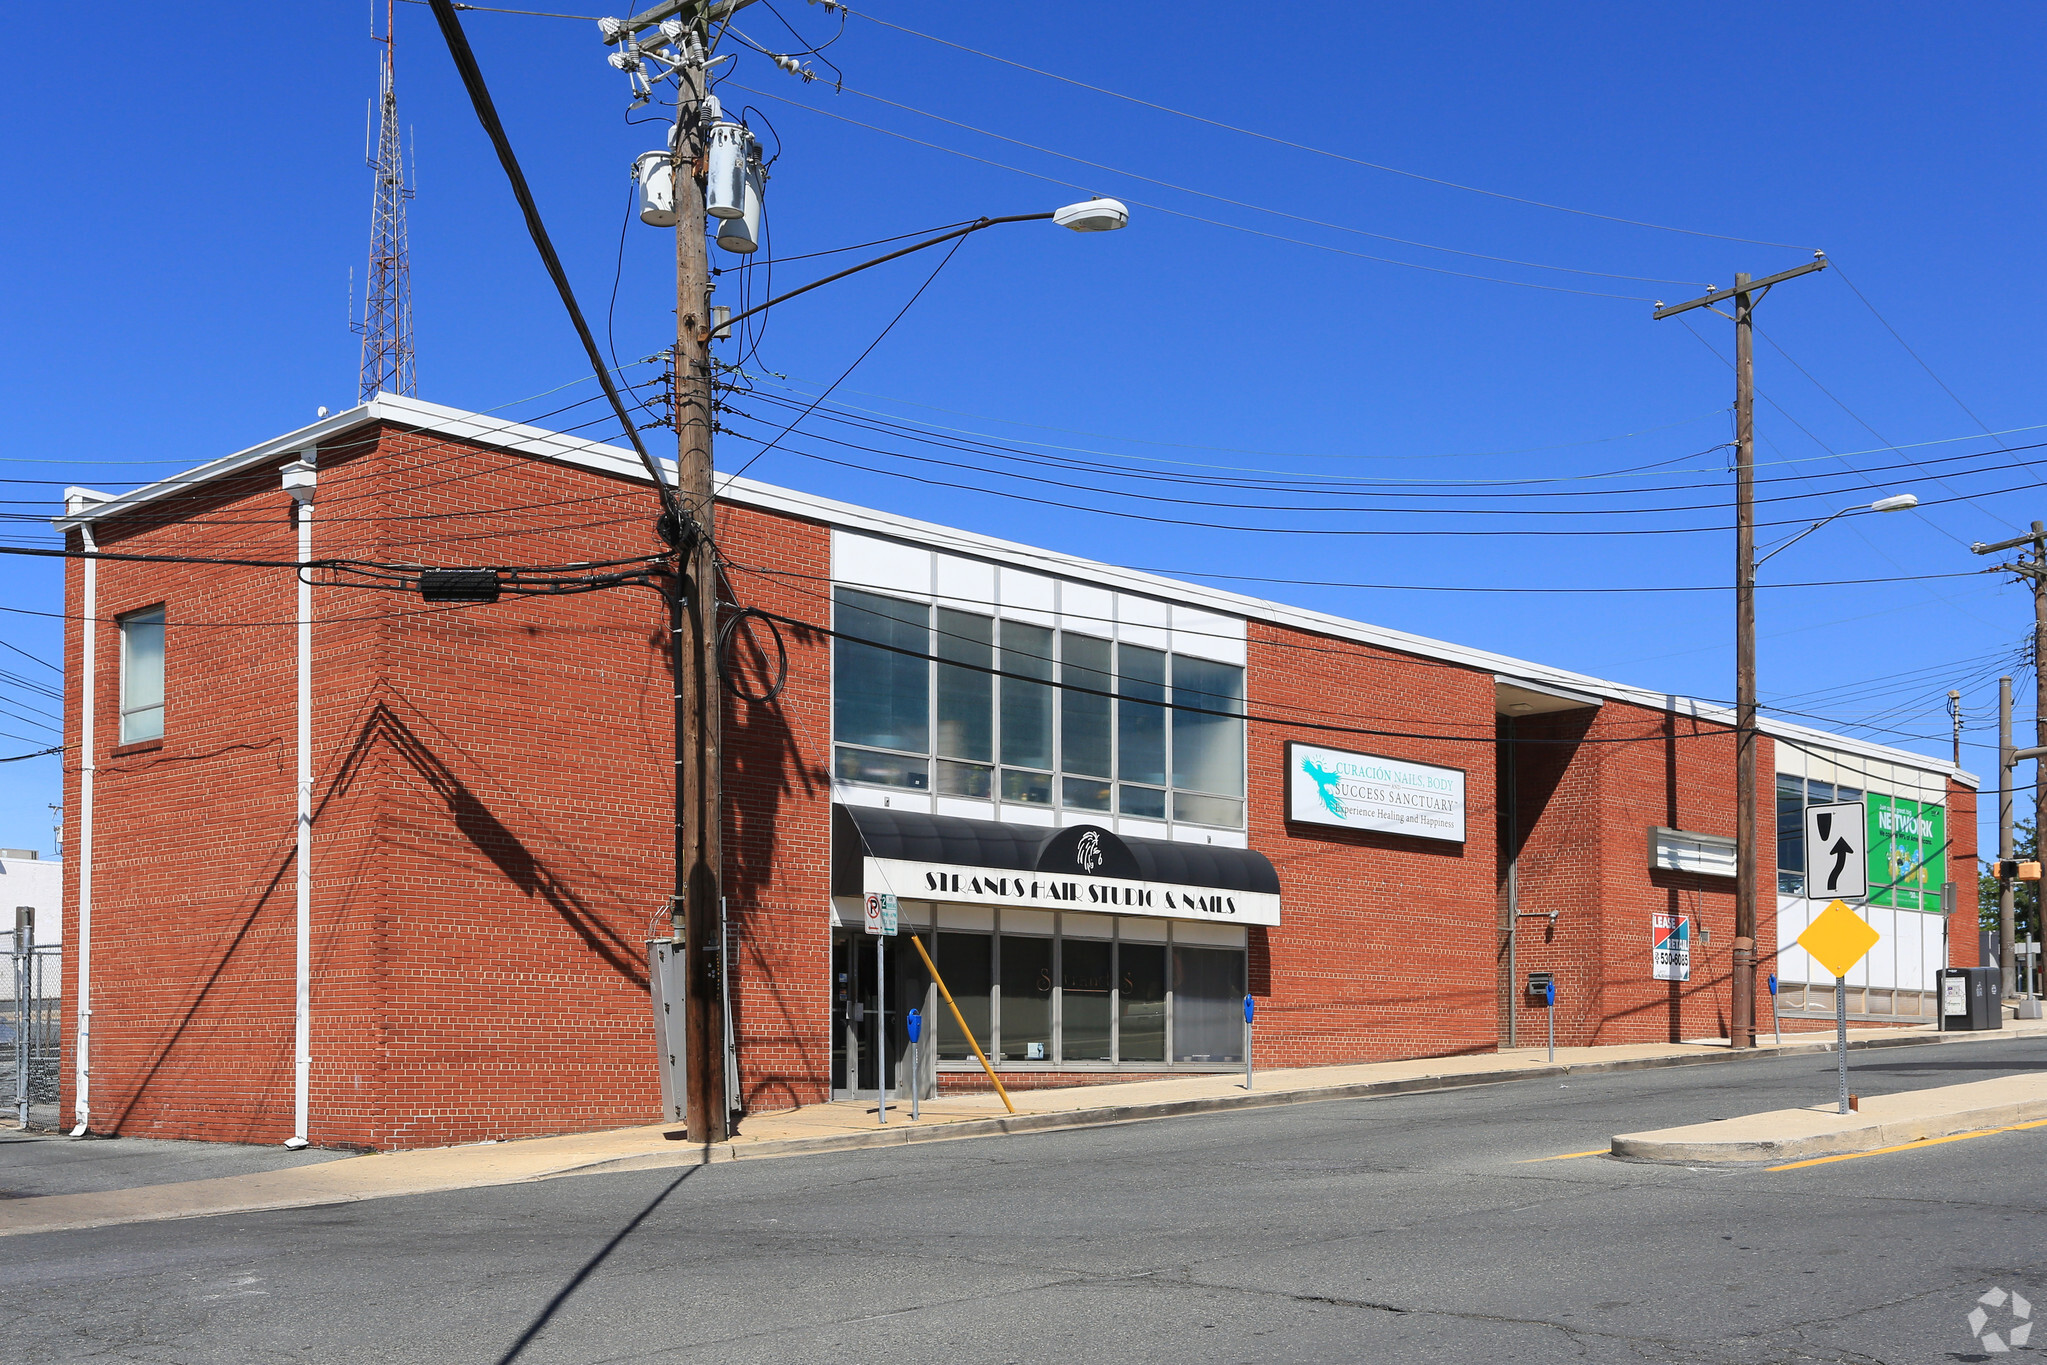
1838 938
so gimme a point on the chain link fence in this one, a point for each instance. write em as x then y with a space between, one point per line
31 1035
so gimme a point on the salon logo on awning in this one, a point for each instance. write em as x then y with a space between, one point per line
1087 854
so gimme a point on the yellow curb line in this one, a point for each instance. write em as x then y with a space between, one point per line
1566 1156
1910 1146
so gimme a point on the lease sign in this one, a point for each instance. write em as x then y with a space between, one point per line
1670 950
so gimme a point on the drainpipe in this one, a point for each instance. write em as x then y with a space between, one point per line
81 1100
301 479
1511 799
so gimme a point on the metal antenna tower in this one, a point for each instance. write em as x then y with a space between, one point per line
387 310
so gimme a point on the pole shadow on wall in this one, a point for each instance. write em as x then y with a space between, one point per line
764 767
384 728
490 836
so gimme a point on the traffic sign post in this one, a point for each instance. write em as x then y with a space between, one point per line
1776 1021
1836 856
914 1021
881 923
1250 1008
1838 938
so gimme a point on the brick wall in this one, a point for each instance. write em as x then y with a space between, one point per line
1963 870
1386 947
493 831
1592 785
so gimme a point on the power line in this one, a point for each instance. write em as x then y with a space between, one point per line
841 88
1329 455
1253 529
1908 348
1319 151
1461 490
32 658
40 753
1195 217
1286 454
1857 417
487 115
945 261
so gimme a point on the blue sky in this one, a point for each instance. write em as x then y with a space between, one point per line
189 208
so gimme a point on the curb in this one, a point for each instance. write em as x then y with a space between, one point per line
1876 1135
1108 1115
1101 1116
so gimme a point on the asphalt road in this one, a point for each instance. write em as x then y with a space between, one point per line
1411 1228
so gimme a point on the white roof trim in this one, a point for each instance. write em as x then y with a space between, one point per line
625 464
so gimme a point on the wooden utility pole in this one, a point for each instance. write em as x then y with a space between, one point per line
1745 295
698 907
2007 907
1742 989
2008 755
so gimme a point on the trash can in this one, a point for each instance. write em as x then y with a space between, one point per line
1971 999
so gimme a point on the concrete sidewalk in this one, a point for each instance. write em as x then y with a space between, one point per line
1883 1121
849 1125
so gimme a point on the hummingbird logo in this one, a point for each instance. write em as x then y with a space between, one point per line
1326 783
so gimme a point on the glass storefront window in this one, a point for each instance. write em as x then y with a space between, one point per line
966 713
1208 810
964 779
1084 716
979 707
1084 793
1085 975
1141 1002
881 698
1026 705
967 964
1794 794
1026 999
1208 1005
1208 749
1027 789
1790 835
1145 801
1087 990
881 770
1140 715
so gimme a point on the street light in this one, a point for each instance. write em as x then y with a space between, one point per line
692 621
1896 502
1745 794
1092 215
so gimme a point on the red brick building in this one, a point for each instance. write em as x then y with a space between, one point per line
1211 795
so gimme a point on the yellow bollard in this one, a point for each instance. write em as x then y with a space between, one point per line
932 967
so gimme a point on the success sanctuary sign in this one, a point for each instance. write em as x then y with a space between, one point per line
1364 791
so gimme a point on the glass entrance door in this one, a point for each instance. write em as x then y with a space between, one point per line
866 1029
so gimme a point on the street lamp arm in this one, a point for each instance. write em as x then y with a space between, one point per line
1806 532
1897 502
974 226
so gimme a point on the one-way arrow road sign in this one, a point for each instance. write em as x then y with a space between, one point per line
1835 861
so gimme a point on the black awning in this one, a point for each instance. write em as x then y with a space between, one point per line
1075 850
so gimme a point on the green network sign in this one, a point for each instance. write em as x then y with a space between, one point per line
1907 852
